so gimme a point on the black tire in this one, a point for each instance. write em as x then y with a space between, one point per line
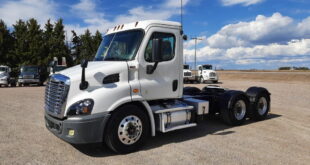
230 107
112 137
191 90
261 106
215 81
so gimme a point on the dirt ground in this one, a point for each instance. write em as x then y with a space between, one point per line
284 138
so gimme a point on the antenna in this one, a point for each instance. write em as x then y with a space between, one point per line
182 14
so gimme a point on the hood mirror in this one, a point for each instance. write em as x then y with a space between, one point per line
84 83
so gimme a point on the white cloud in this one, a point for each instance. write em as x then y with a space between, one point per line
265 40
95 19
42 10
262 30
240 2
294 49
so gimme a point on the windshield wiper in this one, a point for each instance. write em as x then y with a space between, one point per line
112 59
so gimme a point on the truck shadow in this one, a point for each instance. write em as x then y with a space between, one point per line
212 126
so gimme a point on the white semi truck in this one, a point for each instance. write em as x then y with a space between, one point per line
133 89
5 76
202 74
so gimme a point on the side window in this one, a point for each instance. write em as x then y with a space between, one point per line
168 46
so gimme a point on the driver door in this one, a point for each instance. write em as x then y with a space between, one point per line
163 83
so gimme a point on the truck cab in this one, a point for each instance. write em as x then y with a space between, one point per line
187 73
206 73
30 75
4 75
134 88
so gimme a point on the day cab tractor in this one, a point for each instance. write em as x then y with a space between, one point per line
133 89
31 74
202 74
6 78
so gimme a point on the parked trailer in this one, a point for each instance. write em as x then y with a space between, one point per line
134 88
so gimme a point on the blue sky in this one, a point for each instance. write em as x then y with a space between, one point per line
237 34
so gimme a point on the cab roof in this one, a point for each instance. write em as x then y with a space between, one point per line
142 25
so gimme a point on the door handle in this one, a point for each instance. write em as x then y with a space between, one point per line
174 85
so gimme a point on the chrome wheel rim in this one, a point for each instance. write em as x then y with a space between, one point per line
262 105
239 109
130 130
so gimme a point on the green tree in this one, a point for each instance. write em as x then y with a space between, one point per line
35 54
6 44
76 47
97 38
48 40
21 45
87 47
58 47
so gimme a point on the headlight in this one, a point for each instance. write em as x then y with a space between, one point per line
37 76
83 107
20 76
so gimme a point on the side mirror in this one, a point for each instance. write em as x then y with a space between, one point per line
9 70
157 50
84 83
84 63
185 37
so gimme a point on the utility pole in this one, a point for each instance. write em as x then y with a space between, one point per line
195 38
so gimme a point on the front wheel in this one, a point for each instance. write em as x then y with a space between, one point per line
201 80
127 130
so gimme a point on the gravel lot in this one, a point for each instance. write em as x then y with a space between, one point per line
282 139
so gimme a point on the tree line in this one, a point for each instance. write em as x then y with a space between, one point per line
26 43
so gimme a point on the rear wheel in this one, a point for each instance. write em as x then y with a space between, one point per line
127 130
261 107
235 109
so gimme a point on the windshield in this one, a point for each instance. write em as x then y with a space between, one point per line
2 69
120 46
207 67
31 69
60 68
186 67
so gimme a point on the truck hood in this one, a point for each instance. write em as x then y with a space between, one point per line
94 75
94 69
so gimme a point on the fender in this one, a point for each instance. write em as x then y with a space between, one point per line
143 103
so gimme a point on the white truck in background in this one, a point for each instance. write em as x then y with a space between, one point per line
134 89
206 73
202 74
5 77
187 73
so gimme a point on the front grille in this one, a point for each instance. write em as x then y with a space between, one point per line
187 74
56 92
212 74
28 76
